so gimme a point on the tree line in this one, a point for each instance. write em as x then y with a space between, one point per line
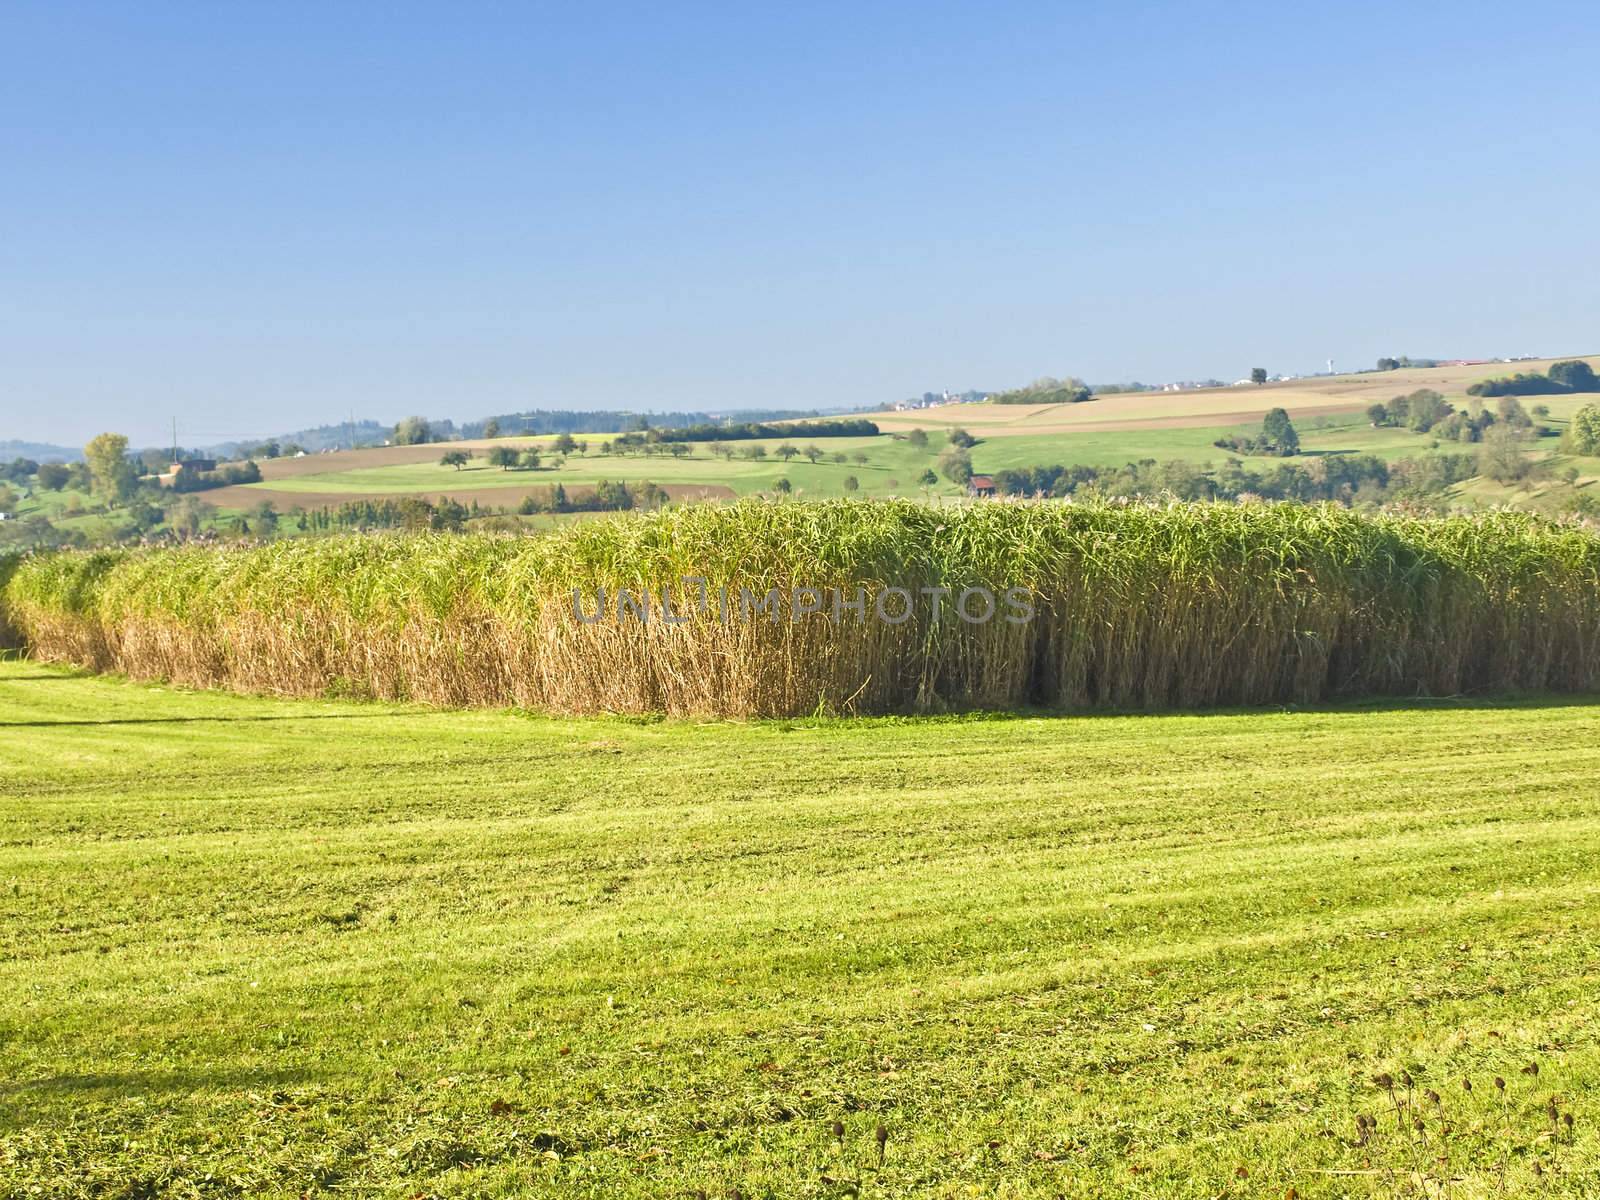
1569 375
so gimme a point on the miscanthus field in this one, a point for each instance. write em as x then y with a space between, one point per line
1133 606
321 948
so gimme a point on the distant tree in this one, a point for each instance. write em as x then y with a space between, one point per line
1501 457
265 517
1571 476
565 443
558 499
1511 412
918 438
18 470
1388 364
1046 390
503 457
189 515
412 431
491 428
754 451
8 499
1278 433
1425 408
449 515
784 486
812 452
1378 414
851 483
53 476
529 460
839 457
455 458
961 439
1258 375
722 449
860 458
927 479
1583 435
956 464
1575 375
681 449
110 472
788 451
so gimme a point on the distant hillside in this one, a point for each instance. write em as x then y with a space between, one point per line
349 435
38 451
541 420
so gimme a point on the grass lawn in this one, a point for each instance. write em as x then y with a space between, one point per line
252 947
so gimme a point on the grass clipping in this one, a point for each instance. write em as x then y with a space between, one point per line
1134 607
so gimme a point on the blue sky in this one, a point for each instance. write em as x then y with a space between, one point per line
257 217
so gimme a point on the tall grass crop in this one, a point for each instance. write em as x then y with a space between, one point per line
1136 607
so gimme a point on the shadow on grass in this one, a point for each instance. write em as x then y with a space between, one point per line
137 1083
1344 706
365 716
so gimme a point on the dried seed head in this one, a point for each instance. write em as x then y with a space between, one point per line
1531 1069
1499 1083
1385 1081
1466 1084
1537 1170
1433 1097
1566 1119
1405 1078
837 1129
882 1135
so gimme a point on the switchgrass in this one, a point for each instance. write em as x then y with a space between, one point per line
1135 607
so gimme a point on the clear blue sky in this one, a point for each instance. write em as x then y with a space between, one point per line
261 216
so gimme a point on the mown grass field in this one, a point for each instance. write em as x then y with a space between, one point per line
254 947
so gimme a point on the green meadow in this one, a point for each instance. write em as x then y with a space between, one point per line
252 947
893 466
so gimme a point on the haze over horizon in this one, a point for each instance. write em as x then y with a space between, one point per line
260 220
